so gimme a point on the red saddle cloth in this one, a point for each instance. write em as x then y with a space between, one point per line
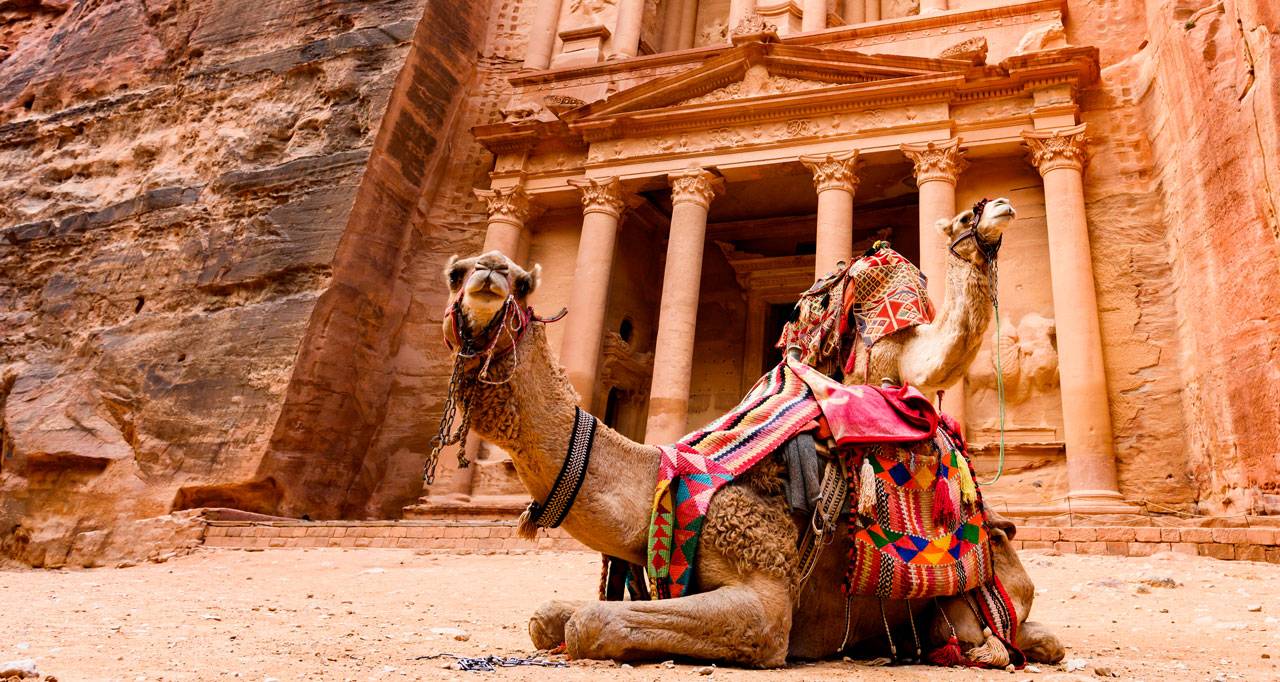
870 414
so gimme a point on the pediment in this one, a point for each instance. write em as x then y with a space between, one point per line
764 69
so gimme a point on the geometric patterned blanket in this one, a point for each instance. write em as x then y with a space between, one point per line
888 293
690 472
922 530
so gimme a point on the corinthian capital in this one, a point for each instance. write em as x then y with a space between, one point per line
1061 148
936 160
834 171
509 205
696 186
600 195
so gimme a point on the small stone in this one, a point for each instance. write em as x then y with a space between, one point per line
1142 589
1102 671
1255 608
668 664
456 633
626 665
1032 668
1158 581
23 667
1266 655
1074 664
705 670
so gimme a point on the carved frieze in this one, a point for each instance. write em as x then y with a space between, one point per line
752 24
973 50
1061 148
936 160
729 137
773 85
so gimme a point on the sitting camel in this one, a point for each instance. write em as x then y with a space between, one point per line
748 609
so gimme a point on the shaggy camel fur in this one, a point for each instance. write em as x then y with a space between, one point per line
747 610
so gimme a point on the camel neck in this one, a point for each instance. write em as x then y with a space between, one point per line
531 416
935 356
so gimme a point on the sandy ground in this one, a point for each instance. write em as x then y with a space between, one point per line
332 614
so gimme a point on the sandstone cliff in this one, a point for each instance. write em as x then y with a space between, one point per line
194 195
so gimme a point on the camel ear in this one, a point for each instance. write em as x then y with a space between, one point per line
943 226
526 282
454 278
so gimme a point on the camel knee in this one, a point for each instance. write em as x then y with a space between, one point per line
546 626
1039 645
592 632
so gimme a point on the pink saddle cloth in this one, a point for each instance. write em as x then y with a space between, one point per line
870 414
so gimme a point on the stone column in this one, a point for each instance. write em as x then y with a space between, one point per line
937 166
814 17
871 10
691 195
542 34
855 11
588 298
672 13
509 208
688 24
932 6
835 177
1091 465
626 39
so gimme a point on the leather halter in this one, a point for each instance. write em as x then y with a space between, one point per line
512 317
988 249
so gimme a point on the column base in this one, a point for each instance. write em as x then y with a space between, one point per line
1099 502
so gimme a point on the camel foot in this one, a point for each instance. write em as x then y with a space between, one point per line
546 627
728 624
1038 644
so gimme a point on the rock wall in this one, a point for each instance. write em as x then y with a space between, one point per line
1182 191
176 185
1208 83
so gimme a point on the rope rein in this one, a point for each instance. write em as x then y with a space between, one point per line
989 250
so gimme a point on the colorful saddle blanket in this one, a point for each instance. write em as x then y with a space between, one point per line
788 400
921 529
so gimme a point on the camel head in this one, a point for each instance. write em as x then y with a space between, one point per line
481 286
986 221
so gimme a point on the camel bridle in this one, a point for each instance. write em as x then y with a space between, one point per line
988 248
511 322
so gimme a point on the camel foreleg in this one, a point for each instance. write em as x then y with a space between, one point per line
747 624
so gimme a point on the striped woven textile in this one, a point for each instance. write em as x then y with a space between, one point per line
779 406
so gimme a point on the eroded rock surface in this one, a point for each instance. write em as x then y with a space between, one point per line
175 183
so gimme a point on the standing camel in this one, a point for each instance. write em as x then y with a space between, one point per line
748 609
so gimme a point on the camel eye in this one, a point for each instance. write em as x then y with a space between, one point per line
968 218
455 277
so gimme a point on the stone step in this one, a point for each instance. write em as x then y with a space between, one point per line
492 536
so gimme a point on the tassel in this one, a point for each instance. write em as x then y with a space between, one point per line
949 654
525 527
945 514
866 487
992 653
968 489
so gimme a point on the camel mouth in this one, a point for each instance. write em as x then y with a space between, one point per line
1000 208
488 284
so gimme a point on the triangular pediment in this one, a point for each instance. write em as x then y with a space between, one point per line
764 69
